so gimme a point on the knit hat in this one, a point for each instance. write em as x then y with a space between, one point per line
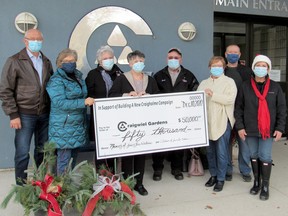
262 58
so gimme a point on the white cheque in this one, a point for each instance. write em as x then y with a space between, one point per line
153 123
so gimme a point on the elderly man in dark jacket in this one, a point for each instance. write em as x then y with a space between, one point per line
173 78
25 100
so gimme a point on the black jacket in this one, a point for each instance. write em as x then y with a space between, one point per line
122 85
186 81
244 73
96 85
97 89
246 109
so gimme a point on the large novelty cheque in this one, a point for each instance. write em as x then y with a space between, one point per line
153 123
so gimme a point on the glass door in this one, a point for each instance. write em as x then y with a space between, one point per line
227 33
255 35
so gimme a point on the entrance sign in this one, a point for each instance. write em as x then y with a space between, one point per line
153 123
277 8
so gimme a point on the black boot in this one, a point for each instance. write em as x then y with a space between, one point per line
255 163
265 172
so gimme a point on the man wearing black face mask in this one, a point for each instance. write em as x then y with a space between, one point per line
25 100
239 73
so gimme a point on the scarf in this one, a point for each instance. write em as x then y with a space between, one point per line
108 81
263 111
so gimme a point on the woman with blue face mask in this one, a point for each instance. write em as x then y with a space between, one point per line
260 114
99 81
220 93
67 122
134 83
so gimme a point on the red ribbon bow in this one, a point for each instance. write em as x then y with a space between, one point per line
105 188
49 196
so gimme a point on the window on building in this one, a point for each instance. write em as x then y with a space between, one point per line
271 40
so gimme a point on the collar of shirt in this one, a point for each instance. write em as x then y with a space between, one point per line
173 71
32 56
37 63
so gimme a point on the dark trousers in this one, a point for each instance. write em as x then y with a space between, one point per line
105 163
132 165
176 158
36 125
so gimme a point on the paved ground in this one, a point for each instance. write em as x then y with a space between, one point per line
170 197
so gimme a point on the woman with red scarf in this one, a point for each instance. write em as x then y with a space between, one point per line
260 114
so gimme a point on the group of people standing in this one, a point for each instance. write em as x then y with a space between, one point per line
254 107
52 106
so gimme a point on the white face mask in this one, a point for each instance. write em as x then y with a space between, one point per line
107 64
34 46
260 71
138 67
216 71
173 63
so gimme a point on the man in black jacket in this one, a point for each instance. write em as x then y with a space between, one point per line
239 73
25 100
173 78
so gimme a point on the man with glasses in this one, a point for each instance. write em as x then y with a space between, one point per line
173 78
25 100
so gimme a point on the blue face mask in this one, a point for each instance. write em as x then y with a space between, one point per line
138 67
69 67
260 71
34 46
108 64
173 63
216 71
232 57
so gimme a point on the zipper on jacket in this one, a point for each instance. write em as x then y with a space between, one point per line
66 120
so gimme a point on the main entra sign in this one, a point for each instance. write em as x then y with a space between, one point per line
153 123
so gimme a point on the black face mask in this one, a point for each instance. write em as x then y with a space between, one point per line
69 67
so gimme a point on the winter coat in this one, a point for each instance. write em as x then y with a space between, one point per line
67 123
185 81
97 89
20 88
246 109
123 85
95 83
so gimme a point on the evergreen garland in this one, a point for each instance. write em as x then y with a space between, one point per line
28 194
77 188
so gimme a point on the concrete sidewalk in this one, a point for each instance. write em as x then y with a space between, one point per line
170 197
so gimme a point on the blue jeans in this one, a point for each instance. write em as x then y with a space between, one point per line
260 148
243 156
218 155
31 124
63 158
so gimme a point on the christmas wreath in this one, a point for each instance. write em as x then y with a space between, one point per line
80 188
114 192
